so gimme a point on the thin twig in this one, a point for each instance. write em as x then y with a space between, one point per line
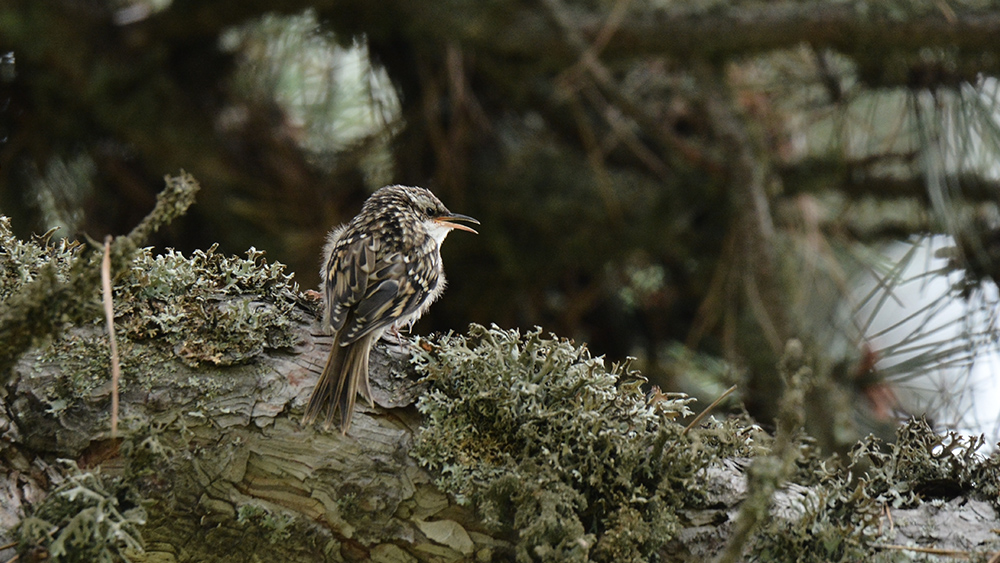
708 409
109 315
711 309
16 555
588 60
588 137
929 550
888 515
172 202
701 416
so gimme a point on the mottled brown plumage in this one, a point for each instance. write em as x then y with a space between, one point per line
382 269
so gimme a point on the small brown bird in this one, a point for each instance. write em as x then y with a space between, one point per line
380 271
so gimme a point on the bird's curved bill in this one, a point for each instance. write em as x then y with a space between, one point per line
446 221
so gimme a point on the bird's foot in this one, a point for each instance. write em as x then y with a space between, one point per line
398 344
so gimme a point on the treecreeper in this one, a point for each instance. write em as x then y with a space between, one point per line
381 271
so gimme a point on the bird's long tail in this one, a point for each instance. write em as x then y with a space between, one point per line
344 375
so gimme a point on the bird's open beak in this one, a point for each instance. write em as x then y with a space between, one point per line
446 221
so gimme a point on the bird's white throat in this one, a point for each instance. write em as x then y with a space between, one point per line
437 231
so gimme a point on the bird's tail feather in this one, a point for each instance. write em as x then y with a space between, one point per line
344 375
323 393
355 376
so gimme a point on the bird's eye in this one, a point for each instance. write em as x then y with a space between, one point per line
430 211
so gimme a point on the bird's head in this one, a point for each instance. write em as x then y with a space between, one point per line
433 214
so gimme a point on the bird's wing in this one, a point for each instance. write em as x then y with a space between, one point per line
368 288
350 264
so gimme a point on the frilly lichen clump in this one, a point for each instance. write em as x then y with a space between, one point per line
555 448
275 527
569 459
80 520
923 464
213 308
20 261
830 520
839 517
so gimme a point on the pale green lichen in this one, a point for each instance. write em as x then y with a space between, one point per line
211 308
768 472
20 261
208 308
831 521
572 462
554 447
84 362
275 527
842 517
47 287
81 520
922 464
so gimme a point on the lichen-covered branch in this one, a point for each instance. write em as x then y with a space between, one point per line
171 203
46 287
524 446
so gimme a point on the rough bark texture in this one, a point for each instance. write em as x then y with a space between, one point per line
220 440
